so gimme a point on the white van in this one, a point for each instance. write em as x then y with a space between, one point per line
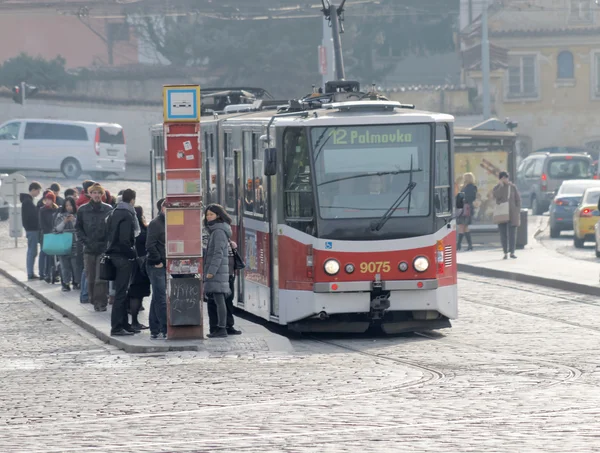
72 147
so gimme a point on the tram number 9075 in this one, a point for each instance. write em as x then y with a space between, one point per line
375 266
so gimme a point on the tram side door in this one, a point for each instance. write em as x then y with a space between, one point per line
238 237
255 225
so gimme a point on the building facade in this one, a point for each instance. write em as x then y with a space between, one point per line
545 69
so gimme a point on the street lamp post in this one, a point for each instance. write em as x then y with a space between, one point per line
485 61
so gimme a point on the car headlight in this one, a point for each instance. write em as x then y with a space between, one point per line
421 264
349 268
331 267
403 266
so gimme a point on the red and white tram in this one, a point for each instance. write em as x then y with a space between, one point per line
344 213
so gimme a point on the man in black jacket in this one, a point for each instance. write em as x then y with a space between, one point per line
91 231
122 226
31 224
156 262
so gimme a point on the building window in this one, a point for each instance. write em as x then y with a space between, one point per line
580 12
565 65
522 77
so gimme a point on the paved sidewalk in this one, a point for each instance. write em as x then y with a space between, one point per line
535 264
255 338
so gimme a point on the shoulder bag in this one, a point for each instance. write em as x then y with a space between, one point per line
502 210
238 262
107 270
58 244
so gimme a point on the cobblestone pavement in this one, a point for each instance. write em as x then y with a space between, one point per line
518 372
113 185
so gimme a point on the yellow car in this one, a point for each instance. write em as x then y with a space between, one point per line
585 217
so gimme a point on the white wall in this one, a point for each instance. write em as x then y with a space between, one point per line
136 121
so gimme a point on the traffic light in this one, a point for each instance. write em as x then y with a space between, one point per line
18 95
22 92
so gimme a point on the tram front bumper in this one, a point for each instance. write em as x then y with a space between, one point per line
389 285
404 295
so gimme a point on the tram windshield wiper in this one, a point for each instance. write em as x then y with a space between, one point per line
378 225
365 175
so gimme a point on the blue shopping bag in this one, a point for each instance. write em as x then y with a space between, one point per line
57 243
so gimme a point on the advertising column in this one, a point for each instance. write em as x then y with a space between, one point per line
183 216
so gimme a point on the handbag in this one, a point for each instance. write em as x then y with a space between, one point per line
58 244
502 210
107 269
238 262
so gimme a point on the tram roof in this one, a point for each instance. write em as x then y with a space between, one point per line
325 116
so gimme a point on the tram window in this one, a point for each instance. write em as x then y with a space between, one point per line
443 198
299 200
230 203
249 185
259 191
210 164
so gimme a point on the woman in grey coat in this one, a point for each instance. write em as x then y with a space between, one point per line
216 263
505 191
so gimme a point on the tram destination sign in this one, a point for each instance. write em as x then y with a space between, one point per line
377 135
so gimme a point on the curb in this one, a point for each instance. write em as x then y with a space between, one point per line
129 348
532 279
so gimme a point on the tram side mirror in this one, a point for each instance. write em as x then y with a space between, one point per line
270 161
460 200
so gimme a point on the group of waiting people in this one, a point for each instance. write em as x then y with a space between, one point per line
102 224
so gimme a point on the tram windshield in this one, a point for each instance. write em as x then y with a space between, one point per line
361 170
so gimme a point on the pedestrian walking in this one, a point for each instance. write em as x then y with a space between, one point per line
140 283
31 224
156 266
122 227
507 213
92 232
464 219
69 264
47 213
216 263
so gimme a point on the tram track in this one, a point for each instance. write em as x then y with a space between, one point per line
575 298
432 375
571 373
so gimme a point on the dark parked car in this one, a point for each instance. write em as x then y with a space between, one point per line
540 175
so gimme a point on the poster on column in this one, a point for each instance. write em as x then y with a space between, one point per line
183 232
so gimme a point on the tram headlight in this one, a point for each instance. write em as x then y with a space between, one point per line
403 266
349 268
331 267
421 264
